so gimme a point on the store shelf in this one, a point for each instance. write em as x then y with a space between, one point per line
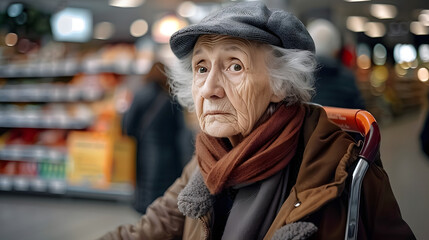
48 116
33 153
69 68
42 69
116 191
43 99
45 123
48 93
32 184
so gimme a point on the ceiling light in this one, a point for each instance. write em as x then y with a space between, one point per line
375 29
357 0
187 9
165 27
72 25
356 23
383 11
126 3
138 28
424 17
103 30
418 28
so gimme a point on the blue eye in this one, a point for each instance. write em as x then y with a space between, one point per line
202 70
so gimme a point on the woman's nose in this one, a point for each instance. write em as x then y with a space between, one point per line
213 87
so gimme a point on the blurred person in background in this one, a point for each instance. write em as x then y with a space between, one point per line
164 142
335 83
267 165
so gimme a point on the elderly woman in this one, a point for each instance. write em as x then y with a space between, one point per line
267 165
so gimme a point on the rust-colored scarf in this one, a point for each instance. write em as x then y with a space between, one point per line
265 151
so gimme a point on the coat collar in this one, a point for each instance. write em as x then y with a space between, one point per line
327 154
195 200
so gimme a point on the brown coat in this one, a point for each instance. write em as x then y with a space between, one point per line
319 186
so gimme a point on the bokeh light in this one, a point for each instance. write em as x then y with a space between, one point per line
404 65
414 64
424 52
11 39
15 9
356 23
126 3
423 74
187 9
418 28
363 49
72 25
404 53
424 17
379 75
375 29
363 52
139 28
165 27
378 79
379 54
400 71
363 62
383 11
103 30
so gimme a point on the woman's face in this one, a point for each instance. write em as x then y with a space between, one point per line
231 87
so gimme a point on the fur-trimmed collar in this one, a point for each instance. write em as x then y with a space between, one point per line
195 201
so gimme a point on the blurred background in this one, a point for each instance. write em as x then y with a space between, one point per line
77 88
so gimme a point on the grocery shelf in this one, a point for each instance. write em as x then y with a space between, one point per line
32 184
116 191
43 69
44 123
42 101
66 69
33 153
47 93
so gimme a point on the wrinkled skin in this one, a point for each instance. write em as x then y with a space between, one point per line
231 87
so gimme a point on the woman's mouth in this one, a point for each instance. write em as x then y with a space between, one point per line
208 113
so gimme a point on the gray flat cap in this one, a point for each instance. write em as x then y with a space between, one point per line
248 20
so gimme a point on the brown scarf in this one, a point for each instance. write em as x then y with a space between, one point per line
264 152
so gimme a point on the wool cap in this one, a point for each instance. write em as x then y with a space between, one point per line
247 20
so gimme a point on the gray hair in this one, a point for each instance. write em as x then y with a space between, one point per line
291 75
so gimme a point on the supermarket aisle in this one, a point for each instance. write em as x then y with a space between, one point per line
41 218
45 218
408 170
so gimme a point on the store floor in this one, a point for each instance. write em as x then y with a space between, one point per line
44 218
